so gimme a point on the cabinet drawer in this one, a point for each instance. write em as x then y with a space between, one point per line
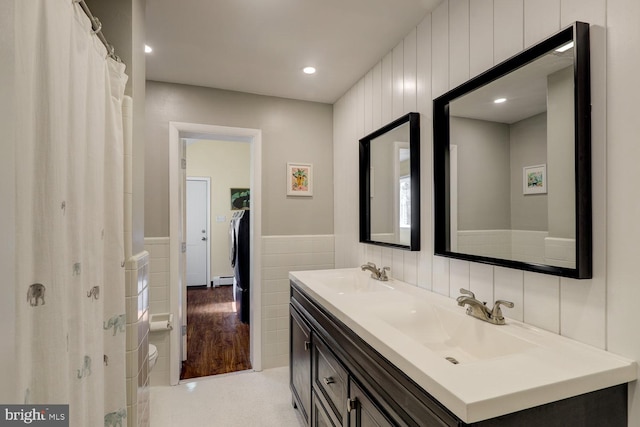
330 379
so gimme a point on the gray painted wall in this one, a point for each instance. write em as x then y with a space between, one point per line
528 148
560 147
292 131
483 174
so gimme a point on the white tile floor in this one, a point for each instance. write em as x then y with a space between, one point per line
260 399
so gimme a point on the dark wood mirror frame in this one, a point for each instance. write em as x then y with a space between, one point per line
579 33
413 119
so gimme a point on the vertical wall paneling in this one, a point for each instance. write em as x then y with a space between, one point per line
374 255
410 84
481 282
387 88
509 286
345 154
340 117
507 28
583 311
459 277
423 74
592 11
623 229
440 49
386 259
398 80
425 107
411 267
458 42
440 275
541 301
585 300
397 268
480 36
595 311
368 103
360 109
541 18
376 82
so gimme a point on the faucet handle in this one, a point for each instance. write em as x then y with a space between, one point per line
496 313
467 292
383 273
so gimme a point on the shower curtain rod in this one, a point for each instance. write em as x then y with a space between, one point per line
96 26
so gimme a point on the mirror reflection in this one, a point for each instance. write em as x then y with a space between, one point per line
389 187
514 163
390 194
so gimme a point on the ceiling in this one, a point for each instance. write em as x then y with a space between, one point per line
261 46
525 90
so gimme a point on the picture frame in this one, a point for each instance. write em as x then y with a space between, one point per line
534 179
240 199
300 179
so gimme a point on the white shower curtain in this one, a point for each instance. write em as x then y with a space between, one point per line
69 213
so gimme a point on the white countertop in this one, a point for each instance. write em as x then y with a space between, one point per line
502 369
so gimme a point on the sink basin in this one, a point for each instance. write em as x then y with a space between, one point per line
476 369
348 281
449 332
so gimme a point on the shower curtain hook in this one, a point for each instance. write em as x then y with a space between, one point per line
96 23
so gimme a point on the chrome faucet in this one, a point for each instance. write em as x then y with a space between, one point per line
480 310
376 273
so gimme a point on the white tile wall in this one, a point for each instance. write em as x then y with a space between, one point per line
280 255
158 248
599 311
137 357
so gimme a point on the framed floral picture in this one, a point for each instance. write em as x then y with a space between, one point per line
299 179
534 179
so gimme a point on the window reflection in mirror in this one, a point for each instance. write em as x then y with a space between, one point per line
389 191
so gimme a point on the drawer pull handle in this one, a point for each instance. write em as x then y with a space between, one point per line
307 345
328 380
351 404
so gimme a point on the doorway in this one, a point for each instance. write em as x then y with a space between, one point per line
217 193
178 291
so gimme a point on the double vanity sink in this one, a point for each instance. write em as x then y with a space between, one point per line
474 369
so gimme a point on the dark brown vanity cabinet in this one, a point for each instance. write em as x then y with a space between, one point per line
300 362
338 379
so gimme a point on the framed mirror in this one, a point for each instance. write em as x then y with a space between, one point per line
390 185
512 161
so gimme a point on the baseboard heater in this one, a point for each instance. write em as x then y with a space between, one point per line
222 280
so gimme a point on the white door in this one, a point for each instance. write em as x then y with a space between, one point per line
197 195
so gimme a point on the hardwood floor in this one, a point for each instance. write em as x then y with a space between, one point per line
217 342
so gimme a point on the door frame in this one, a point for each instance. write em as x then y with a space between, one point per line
177 182
206 180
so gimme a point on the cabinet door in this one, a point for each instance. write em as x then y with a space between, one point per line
319 415
300 365
363 412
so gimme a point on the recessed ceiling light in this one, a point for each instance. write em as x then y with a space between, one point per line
499 100
309 70
147 49
565 48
